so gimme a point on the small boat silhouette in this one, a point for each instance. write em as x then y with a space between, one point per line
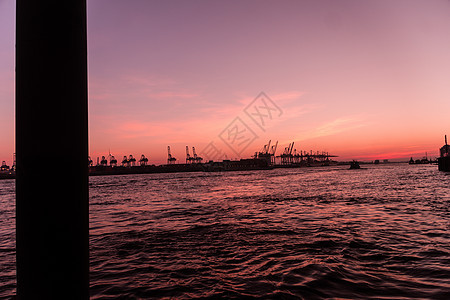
354 165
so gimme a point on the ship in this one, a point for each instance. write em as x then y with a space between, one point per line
422 161
6 172
354 165
444 159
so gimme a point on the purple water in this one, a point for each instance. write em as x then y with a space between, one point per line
312 233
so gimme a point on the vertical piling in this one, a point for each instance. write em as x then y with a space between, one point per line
52 208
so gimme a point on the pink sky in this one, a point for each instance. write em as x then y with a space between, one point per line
359 79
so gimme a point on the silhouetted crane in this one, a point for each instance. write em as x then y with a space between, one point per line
188 156
170 158
286 156
274 148
267 153
113 161
273 151
143 161
132 160
197 159
103 161
125 161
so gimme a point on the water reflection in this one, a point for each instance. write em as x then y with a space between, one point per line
311 233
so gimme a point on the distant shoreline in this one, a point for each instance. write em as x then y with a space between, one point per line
226 166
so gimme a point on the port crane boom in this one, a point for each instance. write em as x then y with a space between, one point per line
188 156
170 158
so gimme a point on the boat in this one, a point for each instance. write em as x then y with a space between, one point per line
354 165
422 161
6 172
444 159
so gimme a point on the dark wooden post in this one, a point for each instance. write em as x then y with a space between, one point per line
52 208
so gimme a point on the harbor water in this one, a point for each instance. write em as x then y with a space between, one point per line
304 233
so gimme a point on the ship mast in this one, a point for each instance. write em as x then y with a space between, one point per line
446 146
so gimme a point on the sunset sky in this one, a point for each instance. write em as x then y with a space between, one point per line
360 79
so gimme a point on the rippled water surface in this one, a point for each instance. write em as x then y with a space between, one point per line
312 233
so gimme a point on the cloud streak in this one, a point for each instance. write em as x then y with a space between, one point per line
336 126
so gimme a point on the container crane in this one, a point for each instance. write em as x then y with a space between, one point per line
286 157
103 161
267 153
273 150
131 161
188 156
170 158
143 161
197 159
266 148
125 161
113 161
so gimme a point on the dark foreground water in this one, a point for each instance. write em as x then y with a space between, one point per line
310 233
